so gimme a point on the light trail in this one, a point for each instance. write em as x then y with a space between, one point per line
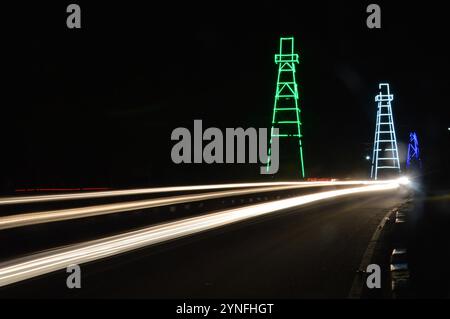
142 191
139 191
53 260
27 219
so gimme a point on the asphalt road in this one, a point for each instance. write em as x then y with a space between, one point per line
309 252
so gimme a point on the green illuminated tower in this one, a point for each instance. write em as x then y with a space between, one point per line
286 111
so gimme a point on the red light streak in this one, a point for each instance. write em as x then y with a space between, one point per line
80 189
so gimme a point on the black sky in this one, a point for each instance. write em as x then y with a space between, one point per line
96 106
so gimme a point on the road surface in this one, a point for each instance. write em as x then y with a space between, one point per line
306 252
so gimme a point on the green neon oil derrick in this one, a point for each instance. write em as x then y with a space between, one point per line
286 111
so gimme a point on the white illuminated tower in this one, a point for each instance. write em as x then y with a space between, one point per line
385 150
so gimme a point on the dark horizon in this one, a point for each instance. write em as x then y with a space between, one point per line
95 107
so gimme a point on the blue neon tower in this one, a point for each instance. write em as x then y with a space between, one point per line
413 155
385 150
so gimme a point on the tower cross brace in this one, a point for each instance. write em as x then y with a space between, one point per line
413 150
385 150
286 111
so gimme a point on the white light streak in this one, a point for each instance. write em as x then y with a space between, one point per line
53 260
142 191
27 219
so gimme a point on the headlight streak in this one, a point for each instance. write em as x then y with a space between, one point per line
142 191
27 219
56 259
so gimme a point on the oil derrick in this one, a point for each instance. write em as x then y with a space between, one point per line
286 110
385 150
413 155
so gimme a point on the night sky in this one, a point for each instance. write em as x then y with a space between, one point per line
95 107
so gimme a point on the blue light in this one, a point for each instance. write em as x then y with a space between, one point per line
413 150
